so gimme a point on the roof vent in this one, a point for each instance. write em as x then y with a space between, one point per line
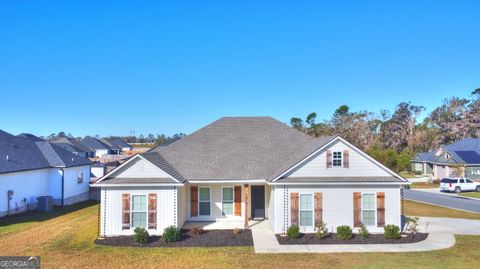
7 158
73 160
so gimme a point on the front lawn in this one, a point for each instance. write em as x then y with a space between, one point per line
471 194
420 209
424 185
66 241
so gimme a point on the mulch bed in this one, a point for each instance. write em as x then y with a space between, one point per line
311 239
209 238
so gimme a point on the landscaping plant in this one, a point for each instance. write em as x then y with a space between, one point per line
411 225
171 234
363 231
197 230
141 235
321 230
391 231
293 232
344 232
236 230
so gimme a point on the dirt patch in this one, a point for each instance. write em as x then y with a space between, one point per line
209 238
311 239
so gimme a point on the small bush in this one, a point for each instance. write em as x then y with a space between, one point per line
293 232
171 234
411 225
344 232
197 230
141 235
363 231
391 232
236 230
321 230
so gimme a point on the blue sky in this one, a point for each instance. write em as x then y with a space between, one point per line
106 67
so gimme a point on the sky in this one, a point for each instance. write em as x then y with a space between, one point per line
109 67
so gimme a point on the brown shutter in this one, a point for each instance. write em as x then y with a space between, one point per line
238 200
294 207
318 208
152 211
380 209
357 209
194 201
346 162
329 159
125 211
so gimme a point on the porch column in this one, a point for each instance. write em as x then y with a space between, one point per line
246 204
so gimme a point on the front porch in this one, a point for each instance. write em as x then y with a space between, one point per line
222 225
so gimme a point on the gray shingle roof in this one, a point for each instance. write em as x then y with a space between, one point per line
240 148
25 154
467 144
119 143
69 144
425 157
93 143
115 181
338 179
30 136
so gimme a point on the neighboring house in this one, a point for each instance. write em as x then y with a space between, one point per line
29 169
119 143
30 137
99 147
241 168
73 146
460 159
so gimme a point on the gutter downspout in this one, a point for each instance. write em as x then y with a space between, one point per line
63 186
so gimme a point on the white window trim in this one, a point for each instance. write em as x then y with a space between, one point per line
374 209
233 200
300 210
138 211
209 200
333 159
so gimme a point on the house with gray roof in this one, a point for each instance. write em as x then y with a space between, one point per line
459 159
74 146
119 143
100 146
30 168
239 169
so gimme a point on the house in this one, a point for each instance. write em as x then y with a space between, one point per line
460 159
241 168
119 143
73 146
30 169
100 147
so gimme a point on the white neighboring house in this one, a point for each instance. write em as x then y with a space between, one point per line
29 169
242 168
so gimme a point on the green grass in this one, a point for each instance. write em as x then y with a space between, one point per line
420 209
471 194
65 240
424 185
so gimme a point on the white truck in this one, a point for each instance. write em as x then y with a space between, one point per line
458 185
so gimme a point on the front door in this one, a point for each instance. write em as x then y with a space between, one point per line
258 202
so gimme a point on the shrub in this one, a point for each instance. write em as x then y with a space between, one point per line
141 235
171 234
391 232
363 231
411 225
236 230
344 232
321 230
197 230
293 232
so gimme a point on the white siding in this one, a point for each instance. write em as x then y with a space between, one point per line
100 152
111 209
359 166
76 192
271 205
338 205
140 168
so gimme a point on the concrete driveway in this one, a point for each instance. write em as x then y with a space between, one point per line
445 200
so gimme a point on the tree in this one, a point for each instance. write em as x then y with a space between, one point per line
297 123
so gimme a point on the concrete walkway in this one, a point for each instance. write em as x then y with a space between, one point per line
441 235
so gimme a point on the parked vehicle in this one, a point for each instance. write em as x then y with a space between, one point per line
458 185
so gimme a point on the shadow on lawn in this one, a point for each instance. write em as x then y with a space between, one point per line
38 216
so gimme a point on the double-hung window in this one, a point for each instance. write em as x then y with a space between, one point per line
368 209
227 201
139 211
306 210
204 201
337 159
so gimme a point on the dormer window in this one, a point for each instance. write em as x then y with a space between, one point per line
337 159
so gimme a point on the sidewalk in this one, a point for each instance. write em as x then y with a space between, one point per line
441 235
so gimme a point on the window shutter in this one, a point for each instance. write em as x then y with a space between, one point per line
318 208
346 162
194 201
294 207
357 209
125 211
329 159
380 209
238 200
152 211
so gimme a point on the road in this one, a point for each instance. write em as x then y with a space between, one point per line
459 202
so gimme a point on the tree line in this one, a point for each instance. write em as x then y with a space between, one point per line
394 138
157 139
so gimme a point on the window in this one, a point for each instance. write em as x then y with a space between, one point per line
462 181
468 180
227 201
80 177
368 209
204 201
306 210
337 159
139 211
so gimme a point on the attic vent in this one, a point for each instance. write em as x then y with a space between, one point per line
73 160
7 158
